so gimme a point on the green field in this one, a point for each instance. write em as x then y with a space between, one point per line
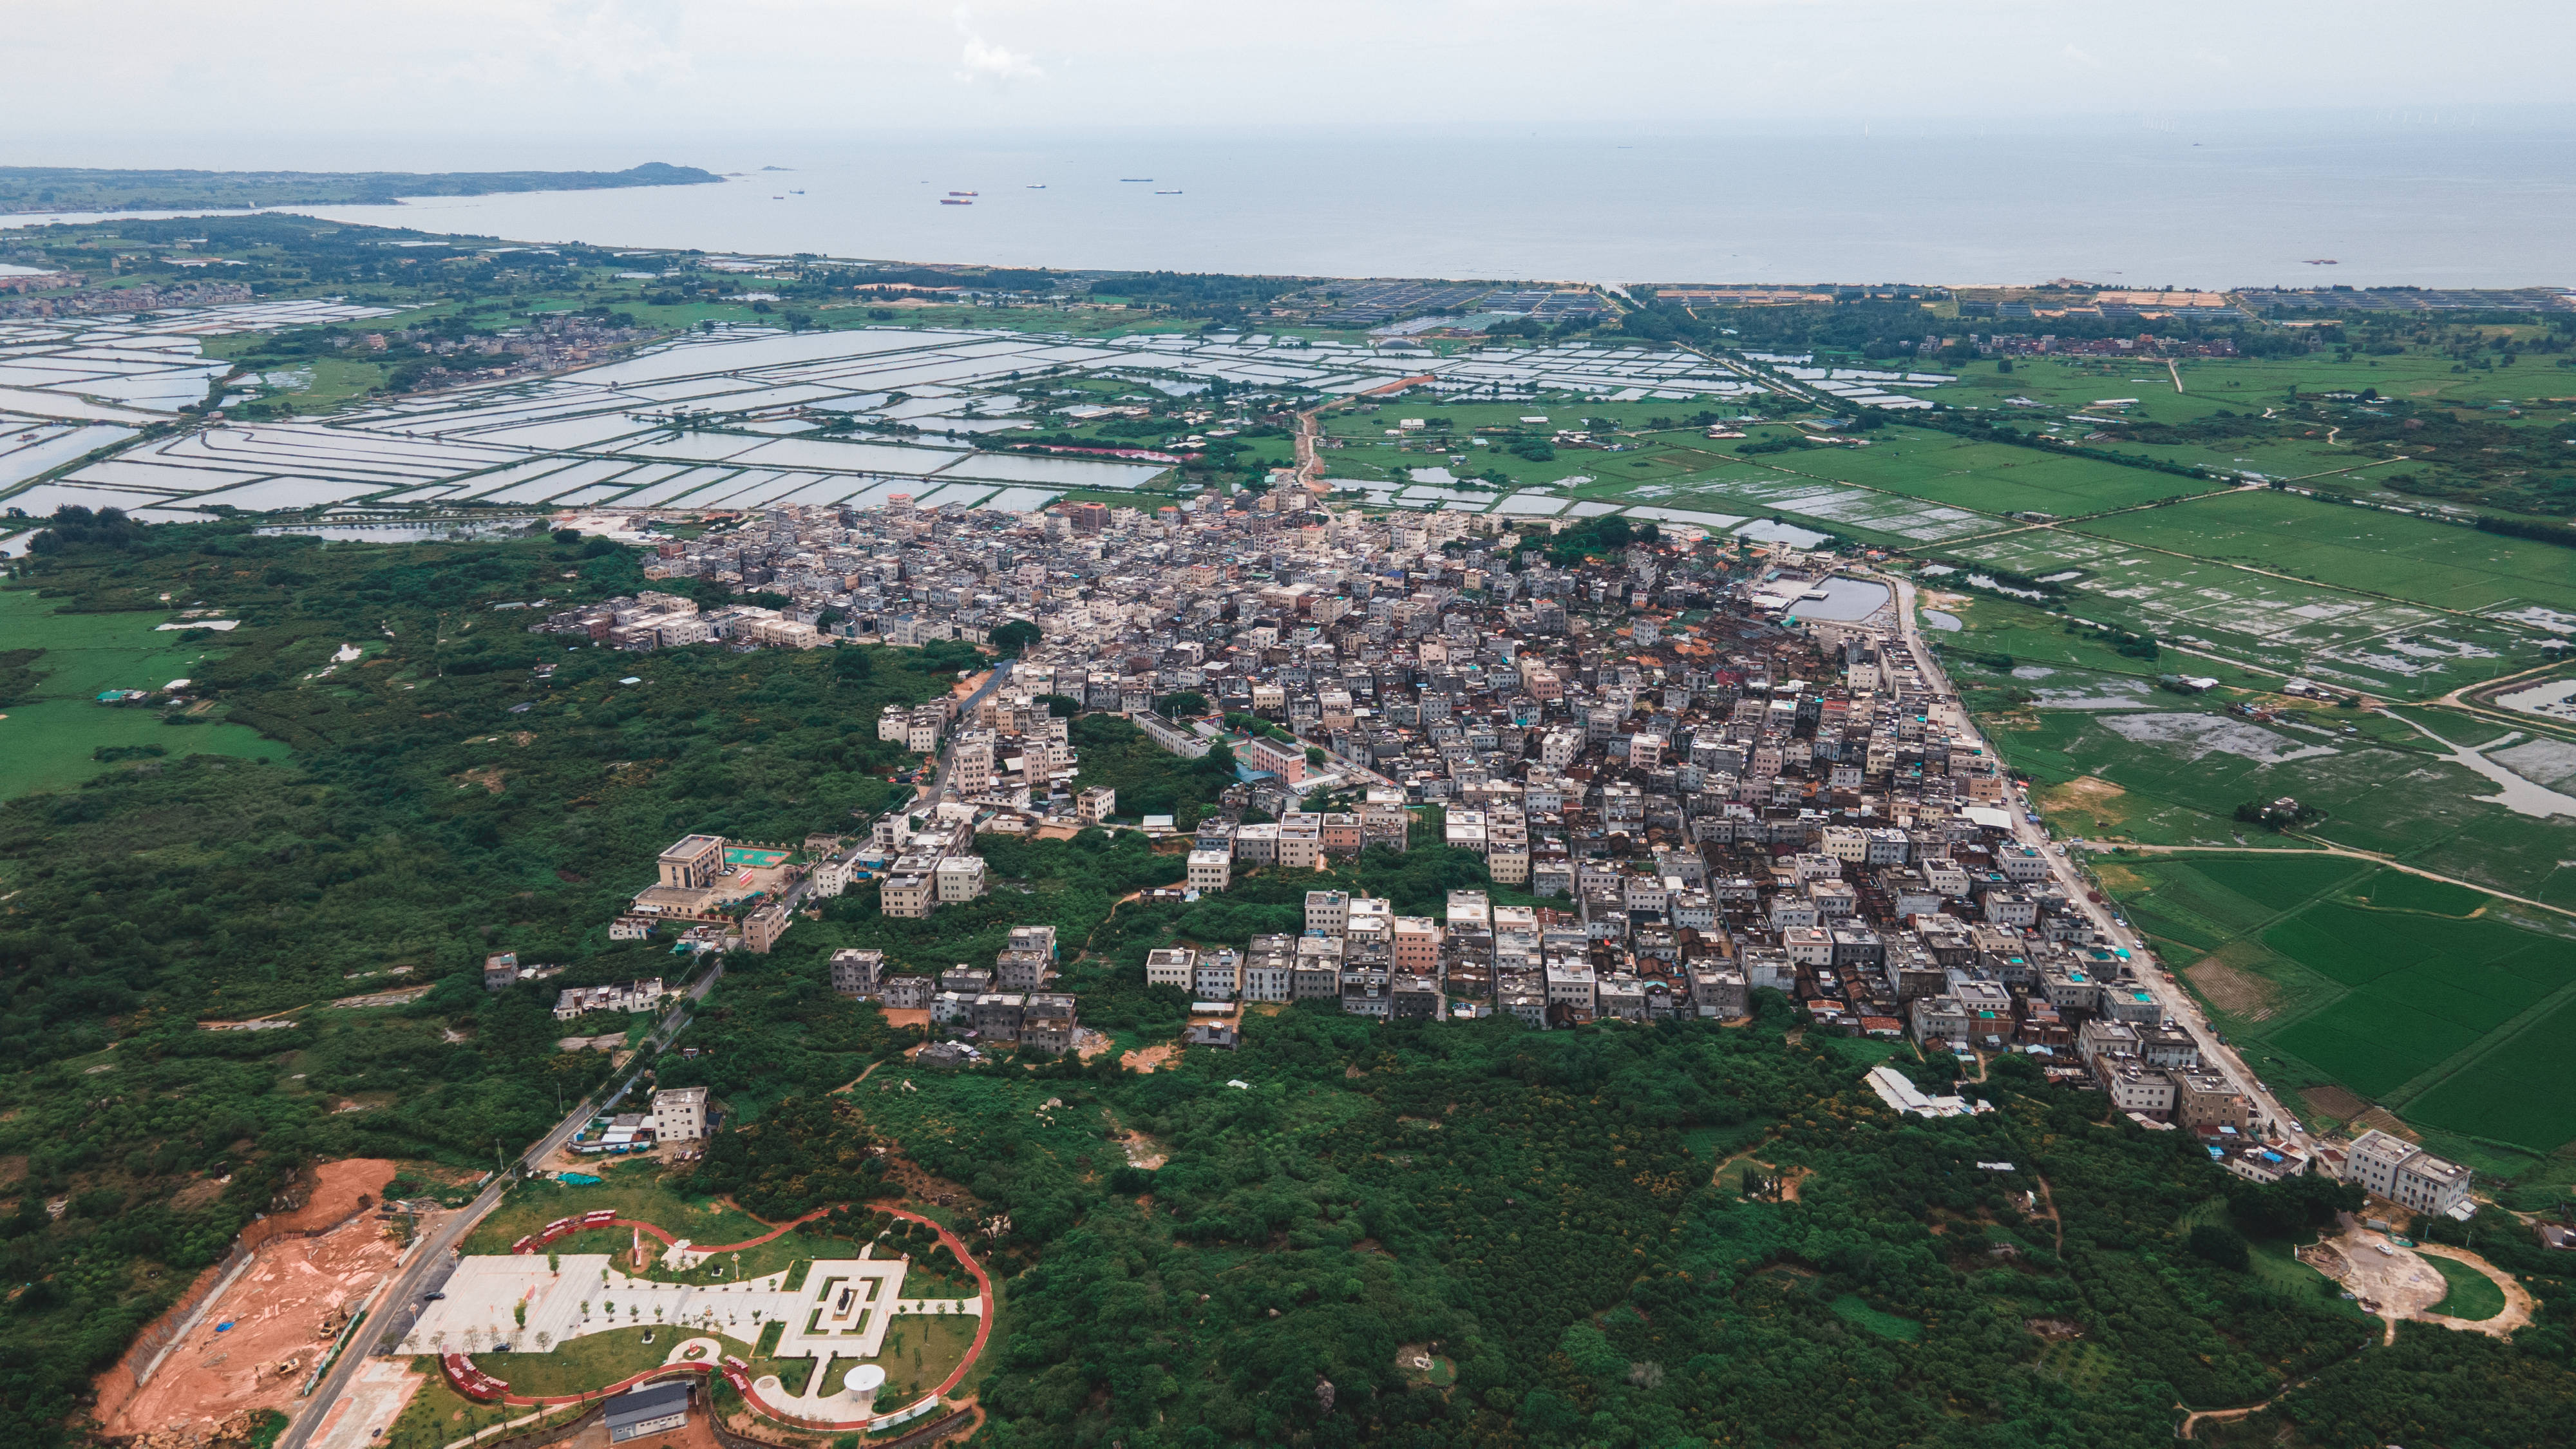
636 1190
51 741
2461 1020
1994 478
2474 1296
2236 384
592 1360
2289 626
1851 1309
2440 564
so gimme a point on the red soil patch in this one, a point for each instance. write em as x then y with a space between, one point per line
284 1310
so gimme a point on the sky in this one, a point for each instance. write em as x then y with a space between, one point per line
576 82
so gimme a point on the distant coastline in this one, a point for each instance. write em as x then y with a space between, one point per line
28 190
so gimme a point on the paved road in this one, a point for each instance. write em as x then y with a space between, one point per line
2179 1007
965 709
429 1262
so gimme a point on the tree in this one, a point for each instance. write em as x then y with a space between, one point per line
1314 757
1015 636
1062 706
1187 701
2221 1245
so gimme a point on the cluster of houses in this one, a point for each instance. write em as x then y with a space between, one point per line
651 620
1711 774
1005 1005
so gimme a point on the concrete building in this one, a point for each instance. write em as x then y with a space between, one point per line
856 972
1210 870
693 863
679 1114
2391 1167
1175 966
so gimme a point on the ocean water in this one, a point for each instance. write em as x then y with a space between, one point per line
2202 205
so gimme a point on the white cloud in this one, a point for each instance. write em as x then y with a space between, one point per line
984 60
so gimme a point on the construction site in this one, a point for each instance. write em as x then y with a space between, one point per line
249 1332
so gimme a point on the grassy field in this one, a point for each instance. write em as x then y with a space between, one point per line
2239 384
593 1360
438 1415
2422 997
2276 1264
51 741
1992 478
922 1350
1852 1310
636 1190
2386 647
2474 1296
2440 564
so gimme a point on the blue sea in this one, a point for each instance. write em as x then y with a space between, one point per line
2204 204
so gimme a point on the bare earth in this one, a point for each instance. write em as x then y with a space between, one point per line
2400 1284
2089 793
2238 993
1148 1058
2335 1101
283 1310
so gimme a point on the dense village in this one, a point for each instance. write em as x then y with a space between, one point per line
1684 791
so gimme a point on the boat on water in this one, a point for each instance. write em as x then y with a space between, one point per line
1173 192
796 193
1037 186
954 201
1135 178
965 193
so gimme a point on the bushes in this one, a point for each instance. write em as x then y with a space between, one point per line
802 1154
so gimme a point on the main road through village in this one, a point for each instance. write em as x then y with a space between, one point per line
2177 1003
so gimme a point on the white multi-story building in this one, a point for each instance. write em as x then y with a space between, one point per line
1210 870
1172 966
679 1114
2391 1167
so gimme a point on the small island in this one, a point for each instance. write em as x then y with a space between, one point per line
75 188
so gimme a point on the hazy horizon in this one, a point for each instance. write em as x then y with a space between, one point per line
563 72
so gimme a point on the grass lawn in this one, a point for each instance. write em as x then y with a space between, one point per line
1851 1309
2440 564
438 1415
921 1351
593 1360
2474 1296
50 740
1992 477
2278 1267
635 1190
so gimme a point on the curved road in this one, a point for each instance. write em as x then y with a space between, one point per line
2179 1008
430 1258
